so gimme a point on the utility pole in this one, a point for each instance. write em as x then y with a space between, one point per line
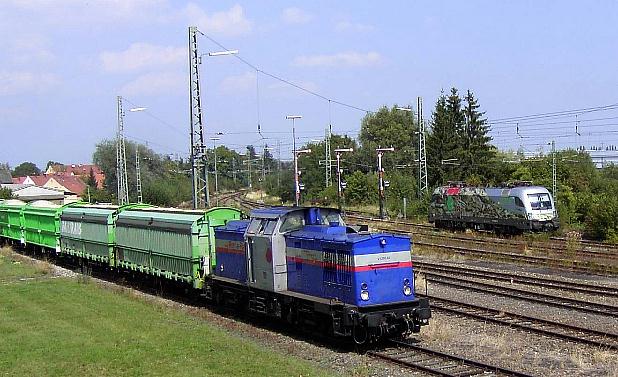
140 198
296 181
214 142
278 163
121 158
199 169
327 160
299 186
249 167
381 182
234 169
340 188
553 170
422 153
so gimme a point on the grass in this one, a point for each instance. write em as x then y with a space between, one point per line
61 327
14 266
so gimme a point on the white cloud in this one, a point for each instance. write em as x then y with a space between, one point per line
347 26
342 59
155 83
231 22
31 49
142 56
92 12
295 16
238 83
24 82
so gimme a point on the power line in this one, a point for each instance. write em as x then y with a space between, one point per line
554 114
278 78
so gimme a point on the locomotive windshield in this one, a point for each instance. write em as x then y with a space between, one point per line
331 216
540 201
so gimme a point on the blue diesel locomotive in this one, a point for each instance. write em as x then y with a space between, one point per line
306 267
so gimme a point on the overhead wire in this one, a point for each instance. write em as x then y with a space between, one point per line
278 78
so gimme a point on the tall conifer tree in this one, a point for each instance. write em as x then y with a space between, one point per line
477 152
442 140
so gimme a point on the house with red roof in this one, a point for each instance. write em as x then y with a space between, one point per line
78 170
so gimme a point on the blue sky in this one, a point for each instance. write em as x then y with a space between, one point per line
62 64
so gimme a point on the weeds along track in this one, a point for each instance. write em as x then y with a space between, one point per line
522 294
438 269
437 363
536 325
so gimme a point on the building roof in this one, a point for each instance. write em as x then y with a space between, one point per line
37 180
70 183
82 170
30 193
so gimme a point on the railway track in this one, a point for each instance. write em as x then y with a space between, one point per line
531 324
437 363
572 286
521 294
557 245
494 248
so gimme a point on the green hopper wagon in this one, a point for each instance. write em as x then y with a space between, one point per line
41 224
10 219
170 243
87 231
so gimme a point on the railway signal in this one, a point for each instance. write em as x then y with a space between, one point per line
341 185
381 182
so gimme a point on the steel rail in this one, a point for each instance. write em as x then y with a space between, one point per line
521 294
588 288
538 325
438 363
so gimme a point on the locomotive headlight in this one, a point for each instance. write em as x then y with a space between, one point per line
406 281
407 290
364 295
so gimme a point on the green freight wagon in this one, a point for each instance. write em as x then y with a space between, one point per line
87 231
170 243
41 224
11 219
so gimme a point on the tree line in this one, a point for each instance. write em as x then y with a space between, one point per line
458 147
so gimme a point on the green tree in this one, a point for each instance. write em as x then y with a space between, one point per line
6 193
442 142
388 127
26 168
91 181
477 153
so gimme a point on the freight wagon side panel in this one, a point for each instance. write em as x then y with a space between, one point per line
41 224
10 219
88 232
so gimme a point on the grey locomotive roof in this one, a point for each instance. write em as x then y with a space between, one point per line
516 191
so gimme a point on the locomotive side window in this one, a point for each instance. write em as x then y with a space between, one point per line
292 222
255 226
269 228
327 217
518 202
540 201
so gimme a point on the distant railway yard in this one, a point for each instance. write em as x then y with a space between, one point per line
522 305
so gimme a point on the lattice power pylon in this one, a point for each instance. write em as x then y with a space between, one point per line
121 158
199 166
